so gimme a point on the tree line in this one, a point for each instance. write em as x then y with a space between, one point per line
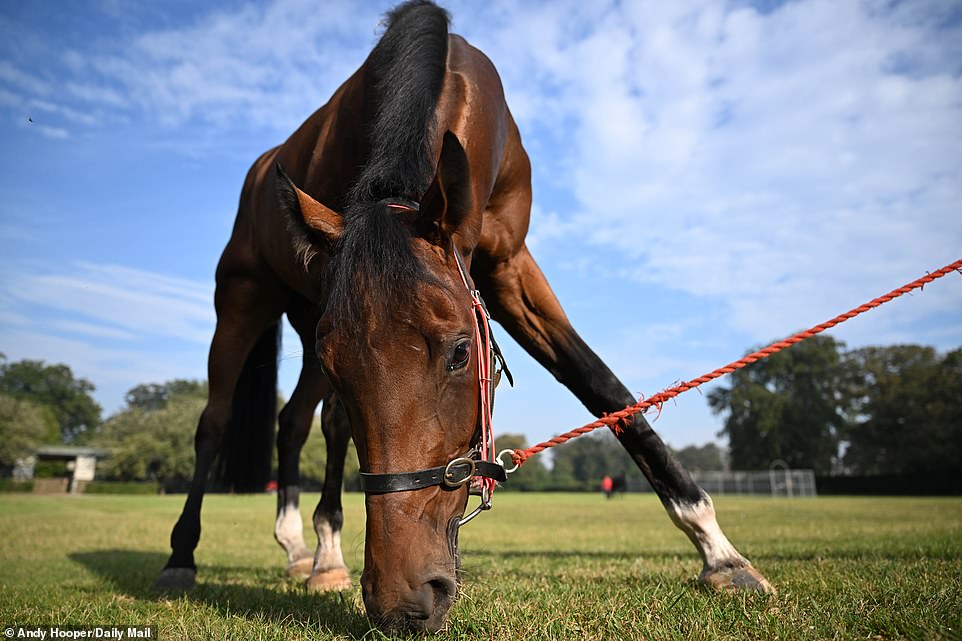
876 410
151 437
894 410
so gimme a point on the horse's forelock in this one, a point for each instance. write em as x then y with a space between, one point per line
373 264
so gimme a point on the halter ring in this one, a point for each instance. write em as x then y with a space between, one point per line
501 463
449 477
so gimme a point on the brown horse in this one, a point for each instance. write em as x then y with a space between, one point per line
412 172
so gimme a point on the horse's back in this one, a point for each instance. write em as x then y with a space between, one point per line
474 108
242 250
325 154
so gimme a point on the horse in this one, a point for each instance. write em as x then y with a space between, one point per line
387 227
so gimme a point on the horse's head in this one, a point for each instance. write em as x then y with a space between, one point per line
398 341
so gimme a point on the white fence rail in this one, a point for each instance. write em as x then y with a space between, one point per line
778 481
774 482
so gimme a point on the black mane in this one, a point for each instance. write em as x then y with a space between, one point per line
405 71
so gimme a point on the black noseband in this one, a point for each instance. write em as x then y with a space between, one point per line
455 474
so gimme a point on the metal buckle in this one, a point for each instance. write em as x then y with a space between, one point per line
449 477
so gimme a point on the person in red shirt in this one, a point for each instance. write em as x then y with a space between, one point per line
607 485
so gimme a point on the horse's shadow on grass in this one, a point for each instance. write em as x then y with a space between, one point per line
132 573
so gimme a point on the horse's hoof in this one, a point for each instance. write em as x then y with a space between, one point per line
173 579
330 580
737 578
301 568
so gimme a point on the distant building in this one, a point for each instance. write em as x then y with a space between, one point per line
81 466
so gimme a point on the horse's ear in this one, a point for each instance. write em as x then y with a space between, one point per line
306 213
446 201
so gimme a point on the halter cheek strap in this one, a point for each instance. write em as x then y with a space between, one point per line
478 466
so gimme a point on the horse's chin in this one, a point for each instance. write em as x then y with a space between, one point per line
403 625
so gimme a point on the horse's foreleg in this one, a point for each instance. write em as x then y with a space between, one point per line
245 309
180 570
521 299
294 426
329 571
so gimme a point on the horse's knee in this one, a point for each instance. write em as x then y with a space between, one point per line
334 422
293 427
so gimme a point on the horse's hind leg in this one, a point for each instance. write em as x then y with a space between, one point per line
329 571
521 300
246 308
294 426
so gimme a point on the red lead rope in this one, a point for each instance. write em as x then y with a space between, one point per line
617 420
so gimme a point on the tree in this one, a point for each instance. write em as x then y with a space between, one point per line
581 463
790 406
153 444
708 457
154 396
907 404
24 426
54 387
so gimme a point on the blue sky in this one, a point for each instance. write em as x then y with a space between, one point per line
708 176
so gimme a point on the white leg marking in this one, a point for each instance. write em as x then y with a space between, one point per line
698 522
723 567
328 555
289 532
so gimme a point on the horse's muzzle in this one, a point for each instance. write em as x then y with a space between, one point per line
421 609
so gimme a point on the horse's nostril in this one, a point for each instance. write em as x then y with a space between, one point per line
444 591
422 609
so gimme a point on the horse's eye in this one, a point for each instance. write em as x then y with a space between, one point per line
462 351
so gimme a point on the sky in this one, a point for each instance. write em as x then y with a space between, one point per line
708 177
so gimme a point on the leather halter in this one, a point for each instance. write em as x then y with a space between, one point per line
478 466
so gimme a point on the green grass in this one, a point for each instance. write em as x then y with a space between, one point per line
539 566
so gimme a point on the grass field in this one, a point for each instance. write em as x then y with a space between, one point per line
539 566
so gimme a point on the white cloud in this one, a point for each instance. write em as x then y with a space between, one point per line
268 66
783 165
114 325
265 65
55 133
120 301
117 326
91 330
